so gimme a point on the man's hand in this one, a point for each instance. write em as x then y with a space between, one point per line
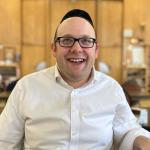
141 143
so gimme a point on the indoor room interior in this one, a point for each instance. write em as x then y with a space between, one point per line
123 31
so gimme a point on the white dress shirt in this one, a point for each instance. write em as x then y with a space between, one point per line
44 113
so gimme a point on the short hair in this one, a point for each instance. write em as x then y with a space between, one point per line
76 13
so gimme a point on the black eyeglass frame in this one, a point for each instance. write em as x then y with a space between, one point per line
75 39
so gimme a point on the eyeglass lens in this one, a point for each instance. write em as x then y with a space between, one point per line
69 41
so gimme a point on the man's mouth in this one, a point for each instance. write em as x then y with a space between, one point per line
76 60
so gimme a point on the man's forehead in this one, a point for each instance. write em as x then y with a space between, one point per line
75 20
74 24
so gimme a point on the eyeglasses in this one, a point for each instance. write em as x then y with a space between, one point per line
69 41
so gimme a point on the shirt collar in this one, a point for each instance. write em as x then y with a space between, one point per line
60 80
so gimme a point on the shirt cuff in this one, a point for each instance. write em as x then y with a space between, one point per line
128 140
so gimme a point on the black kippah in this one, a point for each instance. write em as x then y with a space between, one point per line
78 13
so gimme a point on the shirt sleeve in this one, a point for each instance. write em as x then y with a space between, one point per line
12 123
128 140
125 125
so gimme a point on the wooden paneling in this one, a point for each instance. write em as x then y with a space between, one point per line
32 55
109 29
34 33
34 22
111 56
109 23
135 14
10 21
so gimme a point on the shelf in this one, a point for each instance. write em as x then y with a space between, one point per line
135 66
140 72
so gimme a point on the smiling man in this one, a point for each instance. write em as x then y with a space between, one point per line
71 106
75 49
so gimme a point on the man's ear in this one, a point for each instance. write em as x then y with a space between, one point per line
53 48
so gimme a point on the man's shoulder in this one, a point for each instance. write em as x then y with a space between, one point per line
45 74
102 76
105 79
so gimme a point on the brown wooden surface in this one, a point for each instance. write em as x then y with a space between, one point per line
109 21
109 28
31 56
109 55
140 95
34 22
135 14
10 22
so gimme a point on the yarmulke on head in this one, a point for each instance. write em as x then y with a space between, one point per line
78 13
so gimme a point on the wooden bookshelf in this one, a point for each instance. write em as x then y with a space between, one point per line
139 72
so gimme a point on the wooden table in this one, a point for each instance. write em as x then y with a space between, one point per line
138 97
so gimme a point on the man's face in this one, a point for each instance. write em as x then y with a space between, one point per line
75 63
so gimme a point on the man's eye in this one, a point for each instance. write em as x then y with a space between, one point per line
87 41
67 40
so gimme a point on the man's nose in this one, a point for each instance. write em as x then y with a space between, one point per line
76 47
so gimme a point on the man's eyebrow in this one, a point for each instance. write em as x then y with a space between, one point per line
80 36
67 35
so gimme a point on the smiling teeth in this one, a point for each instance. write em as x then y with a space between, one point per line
76 60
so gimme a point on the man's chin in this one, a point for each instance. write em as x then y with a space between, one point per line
78 76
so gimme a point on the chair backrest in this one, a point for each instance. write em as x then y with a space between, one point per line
131 86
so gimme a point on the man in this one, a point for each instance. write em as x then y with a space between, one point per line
70 106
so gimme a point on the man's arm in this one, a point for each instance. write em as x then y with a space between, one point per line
12 123
141 143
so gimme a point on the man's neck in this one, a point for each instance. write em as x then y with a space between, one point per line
77 84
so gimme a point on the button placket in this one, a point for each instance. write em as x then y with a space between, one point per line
75 122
